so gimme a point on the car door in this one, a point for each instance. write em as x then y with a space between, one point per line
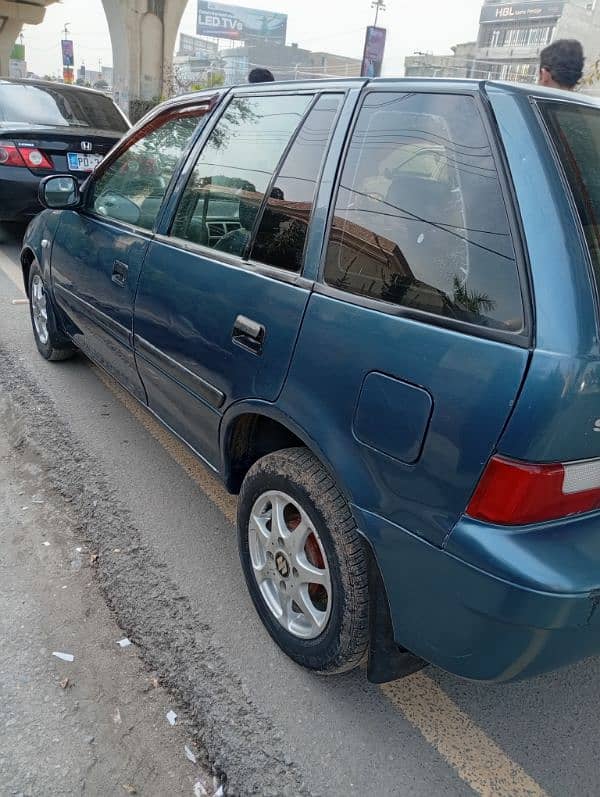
221 298
418 318
98 251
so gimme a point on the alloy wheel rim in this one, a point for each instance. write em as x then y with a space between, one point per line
39 309
289 564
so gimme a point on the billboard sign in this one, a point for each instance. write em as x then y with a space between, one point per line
373 53
240 24
18 52
521 12
68 58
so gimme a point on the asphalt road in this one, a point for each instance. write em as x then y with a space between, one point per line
270 727
93 725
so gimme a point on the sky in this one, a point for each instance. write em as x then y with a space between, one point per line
335 26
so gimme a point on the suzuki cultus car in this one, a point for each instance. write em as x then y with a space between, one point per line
372 308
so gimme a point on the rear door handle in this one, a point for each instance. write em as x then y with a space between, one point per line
119 273
249 334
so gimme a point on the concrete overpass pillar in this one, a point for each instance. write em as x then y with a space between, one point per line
143 36
13 15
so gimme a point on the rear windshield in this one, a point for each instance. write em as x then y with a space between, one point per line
51 106
575 130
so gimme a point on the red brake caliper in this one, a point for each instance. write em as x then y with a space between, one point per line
314 556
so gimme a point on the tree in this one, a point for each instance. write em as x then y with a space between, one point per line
101 85
592 75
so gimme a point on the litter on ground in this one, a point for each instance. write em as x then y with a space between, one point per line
63 656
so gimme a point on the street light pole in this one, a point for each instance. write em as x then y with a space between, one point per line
378 5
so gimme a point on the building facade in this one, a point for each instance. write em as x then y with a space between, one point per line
286 62
458 65
512 35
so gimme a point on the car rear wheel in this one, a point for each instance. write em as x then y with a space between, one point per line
304 561
51 344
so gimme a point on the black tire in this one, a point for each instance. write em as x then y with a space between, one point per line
343 643
57 346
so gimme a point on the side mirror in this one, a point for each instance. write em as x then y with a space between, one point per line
59 192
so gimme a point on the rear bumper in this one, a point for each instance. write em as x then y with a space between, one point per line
497 611
18 194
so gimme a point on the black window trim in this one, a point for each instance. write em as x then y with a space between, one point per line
267 195
123 146
536 101
185 172
342 98
524 337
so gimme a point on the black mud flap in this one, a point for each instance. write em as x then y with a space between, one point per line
387 661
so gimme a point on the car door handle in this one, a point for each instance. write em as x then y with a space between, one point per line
119 273
249 334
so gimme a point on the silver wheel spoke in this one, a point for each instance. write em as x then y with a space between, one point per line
309 574
286 610
259 522
261 570
278 525
314 616
297 539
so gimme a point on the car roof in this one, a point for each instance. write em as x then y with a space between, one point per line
53 84
404 83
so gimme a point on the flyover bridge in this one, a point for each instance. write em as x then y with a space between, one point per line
142 32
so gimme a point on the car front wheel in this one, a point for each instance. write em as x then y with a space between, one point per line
304 561
51 344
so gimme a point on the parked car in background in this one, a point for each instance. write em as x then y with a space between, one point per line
372 308
48 128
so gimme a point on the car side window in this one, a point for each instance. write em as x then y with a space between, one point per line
225 191
282 231
133 186
419 219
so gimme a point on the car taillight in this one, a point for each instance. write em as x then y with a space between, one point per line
10 155
517 493
34 158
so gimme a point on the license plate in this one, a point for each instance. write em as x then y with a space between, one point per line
82 163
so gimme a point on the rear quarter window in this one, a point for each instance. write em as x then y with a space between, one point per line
49 106
420 219
575 132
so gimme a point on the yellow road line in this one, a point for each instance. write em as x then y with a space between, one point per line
477 760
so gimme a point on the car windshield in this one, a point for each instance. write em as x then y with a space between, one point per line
575 130
51 106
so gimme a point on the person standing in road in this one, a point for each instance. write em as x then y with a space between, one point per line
260 75
561 64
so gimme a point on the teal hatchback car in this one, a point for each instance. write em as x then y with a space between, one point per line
372 308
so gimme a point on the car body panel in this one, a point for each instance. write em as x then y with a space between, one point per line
96 311
472 382
472 622
188 314
554 419
484 602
